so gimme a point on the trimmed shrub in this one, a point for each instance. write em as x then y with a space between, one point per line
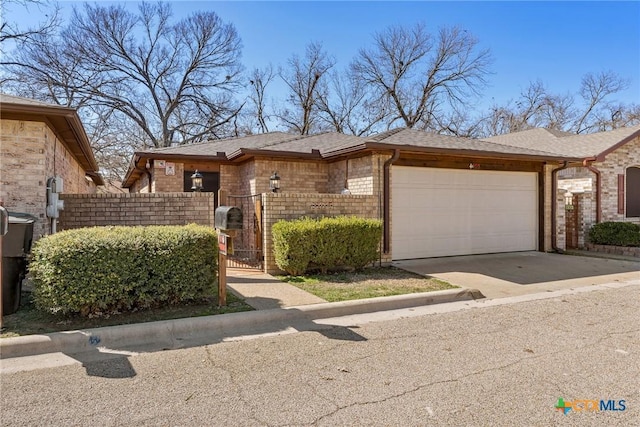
109 269
292 245
615 233
327 243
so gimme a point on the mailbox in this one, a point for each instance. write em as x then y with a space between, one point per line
228 218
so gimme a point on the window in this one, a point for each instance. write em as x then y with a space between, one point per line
633 192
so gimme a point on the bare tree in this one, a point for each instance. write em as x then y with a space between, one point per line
418 74
259 80
13 31
595 88
590 111
305 79
175 82
347 106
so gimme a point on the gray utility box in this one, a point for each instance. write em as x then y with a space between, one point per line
228 218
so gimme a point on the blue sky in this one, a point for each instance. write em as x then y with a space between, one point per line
556 42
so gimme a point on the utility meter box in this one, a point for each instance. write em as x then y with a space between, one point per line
228 218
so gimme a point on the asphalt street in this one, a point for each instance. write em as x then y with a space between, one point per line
497 365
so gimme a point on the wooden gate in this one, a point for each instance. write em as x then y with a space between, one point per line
572 223
247 245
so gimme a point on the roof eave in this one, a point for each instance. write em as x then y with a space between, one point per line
220 156
61 114
129 177
600 157
471 153
244 154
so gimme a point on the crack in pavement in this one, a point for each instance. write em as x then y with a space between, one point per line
236 389
452 380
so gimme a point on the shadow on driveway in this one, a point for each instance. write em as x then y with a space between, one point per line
498 275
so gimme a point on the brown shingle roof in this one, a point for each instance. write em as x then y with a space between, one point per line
417 138
227 146
324 143
566 144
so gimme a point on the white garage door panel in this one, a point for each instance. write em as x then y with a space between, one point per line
442 212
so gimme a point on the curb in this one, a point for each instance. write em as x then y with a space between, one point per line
179 333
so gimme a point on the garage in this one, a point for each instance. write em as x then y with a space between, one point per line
445 212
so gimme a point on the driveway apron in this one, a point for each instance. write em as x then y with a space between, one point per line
519 273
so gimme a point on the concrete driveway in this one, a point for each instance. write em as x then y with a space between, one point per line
511 274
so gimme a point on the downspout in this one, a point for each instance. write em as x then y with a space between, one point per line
554 207
596 172
147 168
387 199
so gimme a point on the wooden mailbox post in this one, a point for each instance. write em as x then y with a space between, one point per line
227 220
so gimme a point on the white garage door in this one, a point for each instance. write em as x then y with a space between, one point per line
443 212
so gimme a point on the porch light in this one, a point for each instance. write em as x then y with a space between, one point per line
274 182
568 201
196 181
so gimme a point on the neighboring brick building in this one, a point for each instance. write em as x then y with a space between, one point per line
604 186
40 141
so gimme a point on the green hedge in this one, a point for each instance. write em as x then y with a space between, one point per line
109 269
615 233
326 243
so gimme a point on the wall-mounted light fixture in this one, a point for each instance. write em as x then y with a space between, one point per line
568 201
274 182
196 181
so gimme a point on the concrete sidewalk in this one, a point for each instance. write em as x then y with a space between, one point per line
263 291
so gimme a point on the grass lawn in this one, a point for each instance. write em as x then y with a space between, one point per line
27 320
369 283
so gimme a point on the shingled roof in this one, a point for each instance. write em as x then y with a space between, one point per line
416 138
332 144
566 144
226 146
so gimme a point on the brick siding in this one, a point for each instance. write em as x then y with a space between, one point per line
163 183
616 163
89 210
31 153
581 181
614 250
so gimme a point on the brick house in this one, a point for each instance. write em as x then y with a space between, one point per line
437 195
40 141
603 186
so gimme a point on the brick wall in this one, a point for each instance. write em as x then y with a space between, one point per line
362 175
580 180
288 206
230 178
548 197
141 185
88 210
165 183
295 176
586 216
60 162
561 221
616 163
31 153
